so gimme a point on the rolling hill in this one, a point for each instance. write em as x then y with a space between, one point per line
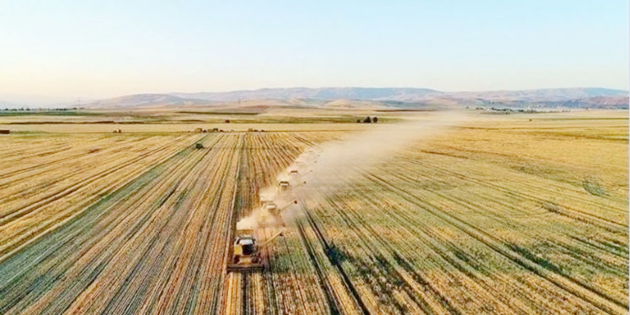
358 97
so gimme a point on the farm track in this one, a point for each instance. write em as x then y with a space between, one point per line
437 229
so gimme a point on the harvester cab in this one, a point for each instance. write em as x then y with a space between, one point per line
245 253
284 185
273 208
270 206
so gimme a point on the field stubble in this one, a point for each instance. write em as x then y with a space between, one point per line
514 218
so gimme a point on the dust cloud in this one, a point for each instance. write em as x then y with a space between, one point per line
329 167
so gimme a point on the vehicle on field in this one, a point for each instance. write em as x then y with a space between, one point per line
246 253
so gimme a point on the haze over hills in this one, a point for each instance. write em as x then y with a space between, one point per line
361 97
35 101
399 94
143 100
328 93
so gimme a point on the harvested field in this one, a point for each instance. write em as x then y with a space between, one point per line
498 215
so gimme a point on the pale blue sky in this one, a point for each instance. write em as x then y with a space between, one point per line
95 49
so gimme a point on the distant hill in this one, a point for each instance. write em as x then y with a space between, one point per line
354 104
372 98
354 93
597 102
542 94
143 100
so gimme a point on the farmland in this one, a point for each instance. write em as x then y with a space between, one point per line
493 215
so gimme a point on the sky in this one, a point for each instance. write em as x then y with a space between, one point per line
98 49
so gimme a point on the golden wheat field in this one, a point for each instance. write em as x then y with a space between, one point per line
492 215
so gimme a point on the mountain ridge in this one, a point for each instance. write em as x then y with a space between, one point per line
573 97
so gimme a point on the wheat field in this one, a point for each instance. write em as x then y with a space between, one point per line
494 215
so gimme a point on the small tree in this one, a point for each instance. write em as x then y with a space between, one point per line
367 120
375 119
227 121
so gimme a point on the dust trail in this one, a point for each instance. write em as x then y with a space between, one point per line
324 170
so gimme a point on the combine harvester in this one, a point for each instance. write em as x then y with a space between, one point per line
245 251
284 186
273 209
245 254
